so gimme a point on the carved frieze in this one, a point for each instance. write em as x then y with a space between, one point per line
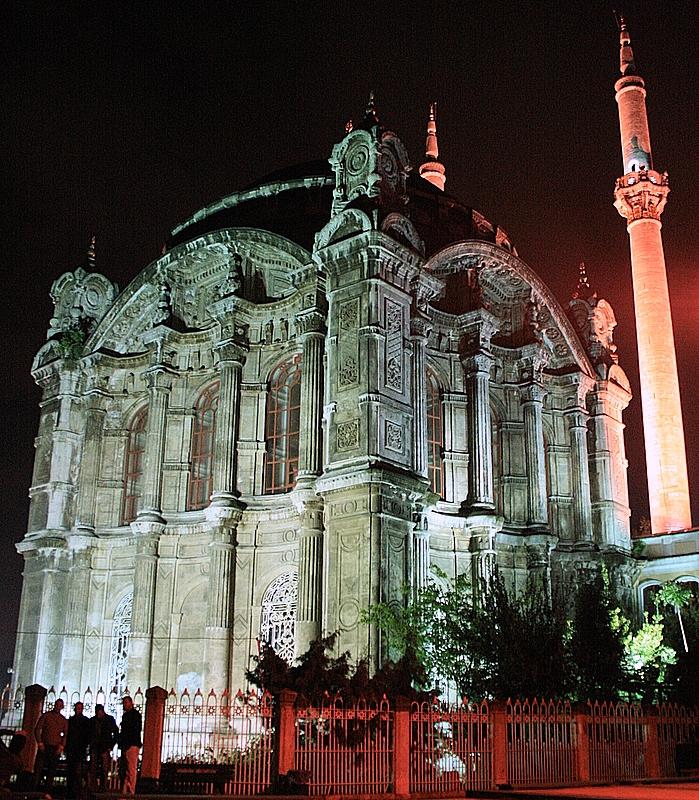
348 435
348 344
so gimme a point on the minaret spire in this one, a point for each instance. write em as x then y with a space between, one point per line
92 254
640 196
432 170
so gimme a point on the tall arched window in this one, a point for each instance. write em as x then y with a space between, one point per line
435 436
282 427
278 620
201 473
119 652
133 466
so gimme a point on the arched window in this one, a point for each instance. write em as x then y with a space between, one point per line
119 652
278 621
435 436
201 473
282 428
133 466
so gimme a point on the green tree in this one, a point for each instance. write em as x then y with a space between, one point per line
676 596
596 644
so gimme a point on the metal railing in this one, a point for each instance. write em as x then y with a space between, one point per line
217 744
450 747
617 733
345 748
541 742
677 725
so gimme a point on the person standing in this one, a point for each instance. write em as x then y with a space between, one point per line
77 742
103 737
50 734
130 744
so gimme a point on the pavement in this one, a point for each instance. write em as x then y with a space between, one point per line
665 790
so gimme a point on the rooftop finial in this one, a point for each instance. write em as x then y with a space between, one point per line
370 113
626 62
349 126
432 170
582 290
91 254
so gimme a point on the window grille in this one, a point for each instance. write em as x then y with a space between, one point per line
133 467
435 436
119 652
201 473
278 622
282 425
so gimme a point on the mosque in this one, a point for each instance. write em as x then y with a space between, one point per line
327 383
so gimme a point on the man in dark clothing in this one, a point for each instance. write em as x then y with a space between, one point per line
130 744
103 736
77 742
50 733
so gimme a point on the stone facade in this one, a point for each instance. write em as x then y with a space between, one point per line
324 385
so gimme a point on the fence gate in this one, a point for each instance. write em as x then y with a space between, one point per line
345 748
217 745
450 747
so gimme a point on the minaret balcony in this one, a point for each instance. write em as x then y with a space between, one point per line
642 194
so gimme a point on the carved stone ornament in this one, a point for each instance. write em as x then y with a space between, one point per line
81 299
232 279
348 435
641 195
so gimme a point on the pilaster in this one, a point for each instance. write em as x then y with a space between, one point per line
310 326
95 413
310 566
577 418
144 584
532 394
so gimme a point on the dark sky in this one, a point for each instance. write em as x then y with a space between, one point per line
121 120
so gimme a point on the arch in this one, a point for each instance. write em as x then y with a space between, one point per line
119 649
134 465
201 470
278 615
509 269
435 434
282 427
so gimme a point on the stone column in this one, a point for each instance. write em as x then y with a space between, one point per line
311 326
64 452
159 380
90 460
582 509
421 555
310 565
480 445
532 407
79 588
231 359
220 604
419 331
141 643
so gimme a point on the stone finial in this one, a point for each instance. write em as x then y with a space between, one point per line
370 114
432 170
349 126
582 290
91 254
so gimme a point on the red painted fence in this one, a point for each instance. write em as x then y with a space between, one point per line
210 743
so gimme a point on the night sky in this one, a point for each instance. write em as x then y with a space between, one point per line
121 120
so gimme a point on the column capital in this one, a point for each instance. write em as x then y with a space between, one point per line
311 322
477 363
159 377
532 393
232 350
477 328
641 195
420 327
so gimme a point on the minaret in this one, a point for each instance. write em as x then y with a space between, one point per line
432 170
640 197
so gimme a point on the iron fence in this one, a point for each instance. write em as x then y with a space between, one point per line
541 742
677 726
618 734
450 747
345 749
217 744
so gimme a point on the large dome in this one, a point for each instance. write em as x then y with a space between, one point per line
296 202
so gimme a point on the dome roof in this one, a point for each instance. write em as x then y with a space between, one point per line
295 202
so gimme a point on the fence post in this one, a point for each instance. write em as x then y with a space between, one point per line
285 733
152 737
499 718
401 747
582 742
34 697
652 754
